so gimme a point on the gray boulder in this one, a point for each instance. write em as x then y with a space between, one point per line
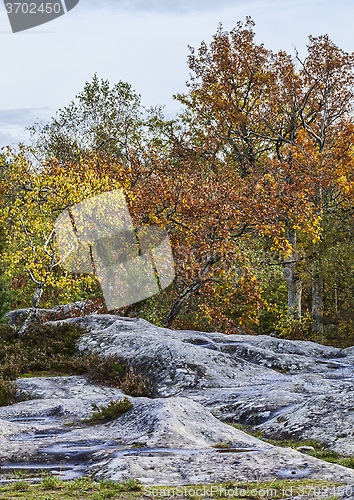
79 308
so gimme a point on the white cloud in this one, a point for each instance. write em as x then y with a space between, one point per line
14 121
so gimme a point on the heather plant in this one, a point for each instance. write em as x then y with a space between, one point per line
49 349
7 392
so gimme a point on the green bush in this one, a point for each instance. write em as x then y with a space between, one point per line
110 412
298 329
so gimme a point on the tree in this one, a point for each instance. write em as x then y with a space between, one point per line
250 110
104 120
209 215
34 201
260 151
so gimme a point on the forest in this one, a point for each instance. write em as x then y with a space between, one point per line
252 180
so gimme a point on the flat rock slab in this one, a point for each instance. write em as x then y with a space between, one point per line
332 412
218 467
73 387
171 361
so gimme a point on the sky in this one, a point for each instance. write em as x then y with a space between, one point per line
143 42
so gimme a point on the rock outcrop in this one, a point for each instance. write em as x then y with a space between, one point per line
201 383
170 440
285 387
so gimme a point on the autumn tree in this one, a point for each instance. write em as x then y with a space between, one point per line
208 216
260 150
250 110
35 198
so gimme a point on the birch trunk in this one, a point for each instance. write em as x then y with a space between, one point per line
317 301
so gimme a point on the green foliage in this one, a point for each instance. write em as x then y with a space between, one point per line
5 293
5 299
347 462
274 292
103 118
21 486
54 338
104 414
297 329
52 483
130 489
131 484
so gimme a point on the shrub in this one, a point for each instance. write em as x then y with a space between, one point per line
54 338
110 412
298 329
113 371
7 392
51 348
135 385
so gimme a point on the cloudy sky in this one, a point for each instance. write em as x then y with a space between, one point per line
143 42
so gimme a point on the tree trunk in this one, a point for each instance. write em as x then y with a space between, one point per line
317 301
294 297
292 278
32 314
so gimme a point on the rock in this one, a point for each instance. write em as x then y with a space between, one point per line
171 361
327 418
286 389
13 317
170 440
305 448
233 376
179 360
74 309
73 387
213 467
349 351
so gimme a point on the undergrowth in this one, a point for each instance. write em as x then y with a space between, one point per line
50 349
131 489
104 414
